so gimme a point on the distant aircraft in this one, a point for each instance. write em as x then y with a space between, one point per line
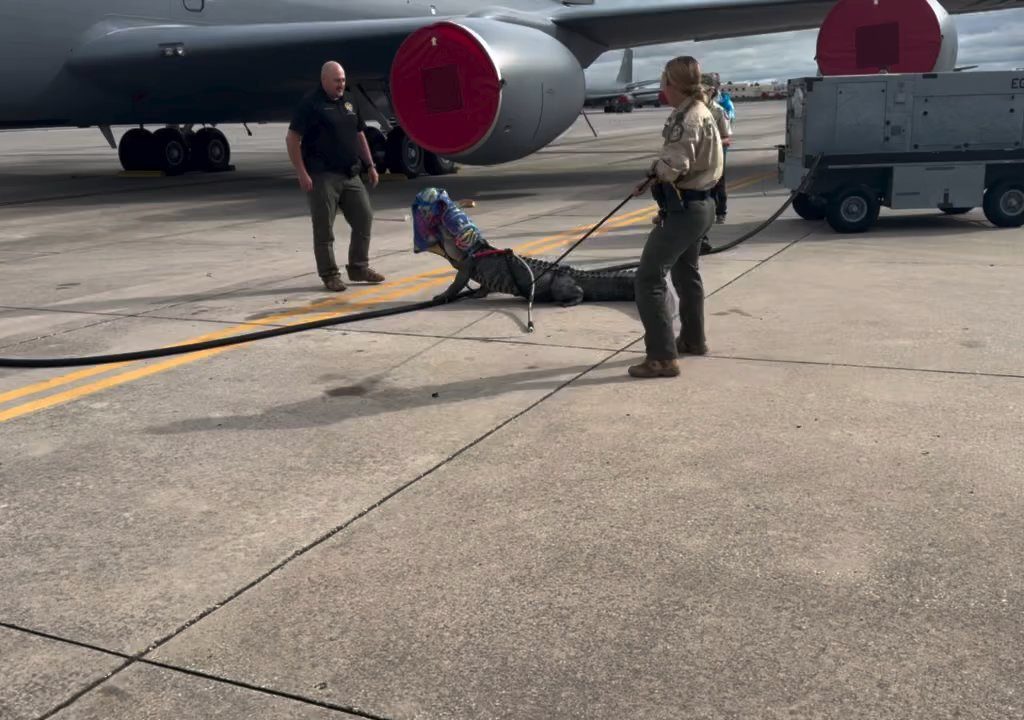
646 93
447 80
625 93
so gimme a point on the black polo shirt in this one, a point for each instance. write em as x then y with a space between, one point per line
329 130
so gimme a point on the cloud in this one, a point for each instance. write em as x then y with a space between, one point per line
993 41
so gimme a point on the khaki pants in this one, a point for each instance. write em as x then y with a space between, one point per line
674 247
330 192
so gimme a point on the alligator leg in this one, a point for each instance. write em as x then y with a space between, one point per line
565 290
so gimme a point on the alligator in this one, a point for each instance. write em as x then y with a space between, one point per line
442 227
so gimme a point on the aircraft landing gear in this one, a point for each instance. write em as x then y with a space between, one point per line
173 151
136 149
170 151
399 154
211 150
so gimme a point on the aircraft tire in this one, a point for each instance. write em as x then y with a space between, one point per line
135 151
378 148
211 150
170 151
434 164
404 156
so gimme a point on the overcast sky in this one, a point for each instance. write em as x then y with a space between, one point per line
993 40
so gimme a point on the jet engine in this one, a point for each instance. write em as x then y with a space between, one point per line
863 37
483 91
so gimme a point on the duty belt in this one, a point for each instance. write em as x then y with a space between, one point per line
672 199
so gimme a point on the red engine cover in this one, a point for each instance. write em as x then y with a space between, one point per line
445 88
861 37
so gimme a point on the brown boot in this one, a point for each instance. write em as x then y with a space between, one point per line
655 368
334 283
363 274
685 349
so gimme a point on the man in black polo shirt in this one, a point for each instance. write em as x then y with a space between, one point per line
328 149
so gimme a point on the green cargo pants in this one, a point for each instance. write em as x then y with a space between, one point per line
330 192
674 247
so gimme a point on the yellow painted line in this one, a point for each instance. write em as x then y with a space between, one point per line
73 377
56 382
52 383
396 287
177 361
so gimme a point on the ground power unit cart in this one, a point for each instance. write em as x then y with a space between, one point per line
952 141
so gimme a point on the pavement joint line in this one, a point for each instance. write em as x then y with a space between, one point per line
146 370
106 319
709 356
83 691
141 189
133 659
140 657
868 366
167 236
324 537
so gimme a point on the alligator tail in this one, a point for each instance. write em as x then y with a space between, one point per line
597 285
600 286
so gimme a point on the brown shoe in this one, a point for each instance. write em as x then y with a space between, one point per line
363 274
334 283
685 349
655 368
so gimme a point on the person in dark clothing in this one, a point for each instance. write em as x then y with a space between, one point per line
328 148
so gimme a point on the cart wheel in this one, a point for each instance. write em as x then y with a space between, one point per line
955 210
1004 203
853 209
810 207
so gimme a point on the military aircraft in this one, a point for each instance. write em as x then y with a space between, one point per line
621 96
449 80
646 93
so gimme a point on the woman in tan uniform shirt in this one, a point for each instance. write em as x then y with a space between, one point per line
688 167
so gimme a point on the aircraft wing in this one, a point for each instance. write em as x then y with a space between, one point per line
260 57
283 56
624 23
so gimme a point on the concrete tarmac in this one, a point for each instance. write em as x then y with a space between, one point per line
439 515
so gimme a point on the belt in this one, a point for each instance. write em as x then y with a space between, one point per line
695 194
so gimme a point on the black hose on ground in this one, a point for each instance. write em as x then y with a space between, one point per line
746 236
220 342
804 185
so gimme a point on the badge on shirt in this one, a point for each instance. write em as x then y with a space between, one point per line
348 106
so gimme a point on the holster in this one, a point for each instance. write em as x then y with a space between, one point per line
668 197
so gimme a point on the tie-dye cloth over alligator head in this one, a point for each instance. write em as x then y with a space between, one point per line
440 226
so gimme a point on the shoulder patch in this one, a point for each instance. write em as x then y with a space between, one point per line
676 131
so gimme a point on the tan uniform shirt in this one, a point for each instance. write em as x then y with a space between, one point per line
691 157
721 120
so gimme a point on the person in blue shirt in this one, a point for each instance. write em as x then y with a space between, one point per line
720 110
